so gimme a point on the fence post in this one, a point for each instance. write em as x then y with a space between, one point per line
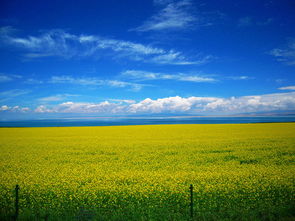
192 201
16 202
46 217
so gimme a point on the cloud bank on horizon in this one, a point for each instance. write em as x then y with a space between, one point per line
171 105
149 57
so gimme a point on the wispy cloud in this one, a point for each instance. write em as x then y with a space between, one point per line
58 97
86 81
139 75
127 101
280 80
14 93
7 95
245 21
33 81
250 21
71 80
51 98
174 16
265 22
242 77
6 30
8 77
291 88
177 104
177 15
173 57
4 78
285 55
162 2
63 44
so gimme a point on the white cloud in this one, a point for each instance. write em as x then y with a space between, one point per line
280 80
292 88
169 105
4 78
33 81
25 109
177 104
58 97
285 55
71 107
71 80
42 109
8 77
51 98
145 75
269 102
127 101
63 44
4 108
52 43
13 93
116 83
243 77
95 82
173 57
14 109
10 94
175 15
190 105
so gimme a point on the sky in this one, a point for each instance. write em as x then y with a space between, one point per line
129 58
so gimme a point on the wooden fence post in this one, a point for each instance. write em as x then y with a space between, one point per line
192 201
16 202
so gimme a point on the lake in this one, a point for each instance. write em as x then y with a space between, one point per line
120 121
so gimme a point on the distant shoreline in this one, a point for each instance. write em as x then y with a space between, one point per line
150 125
151 117
144 121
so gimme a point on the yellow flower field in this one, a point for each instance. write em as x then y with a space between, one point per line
239 172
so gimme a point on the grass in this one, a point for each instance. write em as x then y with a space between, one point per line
239 172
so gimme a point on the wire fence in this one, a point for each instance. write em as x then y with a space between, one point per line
188 203
90 214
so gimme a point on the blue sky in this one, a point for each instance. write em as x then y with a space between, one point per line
111 57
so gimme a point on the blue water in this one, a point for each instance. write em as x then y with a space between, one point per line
143 121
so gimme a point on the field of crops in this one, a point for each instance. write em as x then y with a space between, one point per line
239 172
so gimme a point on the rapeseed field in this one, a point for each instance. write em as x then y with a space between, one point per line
238 171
